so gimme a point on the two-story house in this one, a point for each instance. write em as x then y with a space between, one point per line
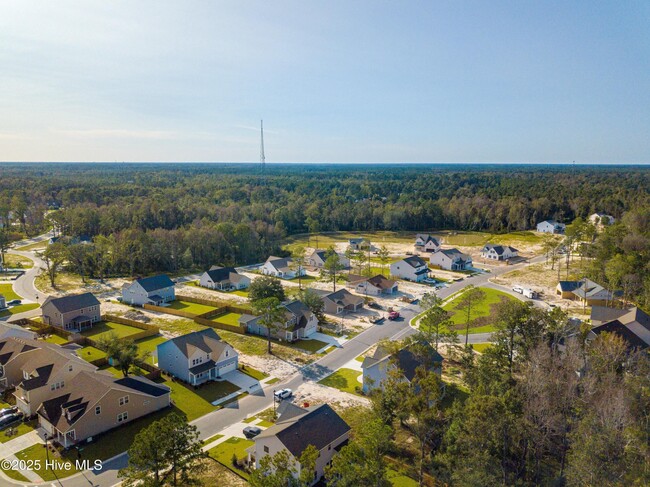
299 322
224 279
498 252
551 226
282 267
340 301
96 402
410 268
75 312
451 260
426 243
154 290
372 286
296 429
197 357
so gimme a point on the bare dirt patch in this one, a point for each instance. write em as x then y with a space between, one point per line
313 393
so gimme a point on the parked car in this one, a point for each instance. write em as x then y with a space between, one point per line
251 431
8 419
283 394
10 410
375 305
393 315
14 302
375 320
518 289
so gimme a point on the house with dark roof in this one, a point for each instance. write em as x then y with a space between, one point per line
631 324
296 429
154 290
407 360
224 279
359 243
197 357
75 312
451 260
299 322
96 402
498 252
318 257
586 291
551 226
8 330
341 301
411 268
282 267
426 243
372 286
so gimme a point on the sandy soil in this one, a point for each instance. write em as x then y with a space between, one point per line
314 393
199 292
272 366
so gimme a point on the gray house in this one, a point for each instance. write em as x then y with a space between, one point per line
411 269
318 258
498 252
75 312
224 279
427 243
299 323
451 260
551 226
197 357
372 286
3 302
376 368
150 290
340 301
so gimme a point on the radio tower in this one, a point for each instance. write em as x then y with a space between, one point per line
262 158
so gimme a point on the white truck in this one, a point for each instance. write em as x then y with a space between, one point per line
529 293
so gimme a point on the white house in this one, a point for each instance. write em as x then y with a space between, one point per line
426 243
359 243
296 429
551 226
281 267
498 252
411 268
318 258
451 260
224 279
150 290
299 323
372 286
601 219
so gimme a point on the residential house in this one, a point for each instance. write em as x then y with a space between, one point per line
411 268
318 257
376 368
601 219
75 312
372 286
46 370
585 291
3 301
96 402
10 330
299 323
359 243
631 324
154 290
498 252
451 260
426 243
340 301
224 279
197 357
281 267
551 226
295 429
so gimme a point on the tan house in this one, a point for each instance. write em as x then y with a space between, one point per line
631 324
372 286
96 402
296 429
340 301
586 291
75 312
13 355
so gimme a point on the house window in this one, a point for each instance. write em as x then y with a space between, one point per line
226 353
122 417
266 449
124 400
98 410
329 447
69 368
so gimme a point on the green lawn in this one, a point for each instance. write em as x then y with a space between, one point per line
308 345
228 318
178 326
397 479
343 379
56 339
224 451
63 467
21 429
105 328
481 311
240 292
7 291
257 345
272 381
207 441
360 358
13 261
90 353
265 424
198 402
150 344
194 308
481 347
21 308
255 374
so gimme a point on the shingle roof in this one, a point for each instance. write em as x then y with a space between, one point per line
381 282
499 249
318 426
13 346
345 297
206 340
633 324
405 359
620 329
154 283
414 261
218 274
425 237
73 302
280 263
302 313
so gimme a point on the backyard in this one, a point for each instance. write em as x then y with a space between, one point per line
90 354
346 380
194 308
104 328
227 318
481 311
225 451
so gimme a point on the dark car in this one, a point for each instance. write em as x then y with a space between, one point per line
8 419
251 431
5 411
375 305
14 302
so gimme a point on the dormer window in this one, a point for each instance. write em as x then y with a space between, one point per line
25 375
227 353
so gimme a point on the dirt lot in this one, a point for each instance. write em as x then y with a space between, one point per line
317 394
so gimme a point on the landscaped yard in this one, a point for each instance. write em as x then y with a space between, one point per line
223 453
7 291
228 318
343 379
56 339
312 346
105 328
13 261
198 402
481 311
257 345
194 308
21 308
255 374
21 429
90 354
149 344
62 468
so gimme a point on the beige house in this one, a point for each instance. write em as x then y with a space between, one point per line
340 301
96 402
372 286
586 291
318 257
296 429
74 313
13 355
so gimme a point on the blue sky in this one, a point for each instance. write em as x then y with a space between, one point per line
335 81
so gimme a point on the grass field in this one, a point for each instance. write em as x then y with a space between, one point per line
105 328
223 453
21 308
56 339
240 292
177 326
480 313
308 345
345 380
194 308
13 261
62 468
90 353
256 345
254 373
34 246
195 403
228 318
7 291
149 344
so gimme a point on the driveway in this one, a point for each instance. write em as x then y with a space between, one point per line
243 381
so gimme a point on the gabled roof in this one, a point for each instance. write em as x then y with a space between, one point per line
219 274
633 324
381 282
425 237
414 261
318 426
46 362
618 328
155 283
499 249
343 297
12 346
404 359
320 254
300 311
73 302
205 340
280 263
452 253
